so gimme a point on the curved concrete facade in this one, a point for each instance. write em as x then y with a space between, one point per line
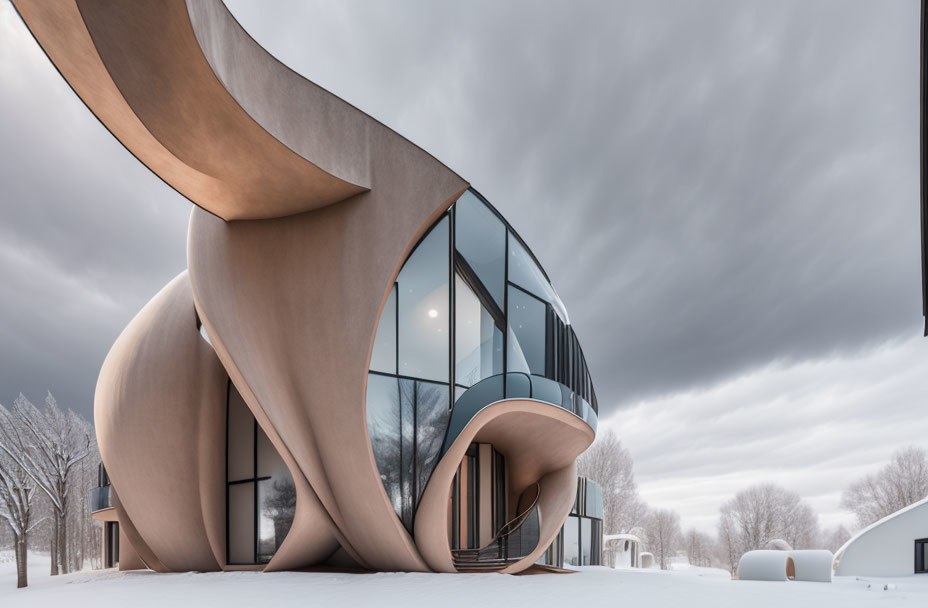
307 210
886 547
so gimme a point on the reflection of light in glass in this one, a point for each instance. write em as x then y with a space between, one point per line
433 313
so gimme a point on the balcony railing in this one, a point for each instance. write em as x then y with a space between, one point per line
515 385
100 499
515 540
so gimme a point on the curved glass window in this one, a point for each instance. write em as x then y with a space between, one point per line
480 238
499 323
524 272
526 351
423 294
383 357
478 340
406 420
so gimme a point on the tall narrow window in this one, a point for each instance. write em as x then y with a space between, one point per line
921 556
261 497
572 541
423 295
383 357
406 421
478 341
480 238
526 348
524 272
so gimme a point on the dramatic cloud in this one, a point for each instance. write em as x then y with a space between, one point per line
87 233
711 185
725 193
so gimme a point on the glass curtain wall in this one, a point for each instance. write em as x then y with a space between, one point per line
260 495
470 303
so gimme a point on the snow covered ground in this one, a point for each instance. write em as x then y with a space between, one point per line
593 587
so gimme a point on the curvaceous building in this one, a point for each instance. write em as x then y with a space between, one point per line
363 366
896 545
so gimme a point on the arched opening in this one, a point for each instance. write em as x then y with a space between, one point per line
790 569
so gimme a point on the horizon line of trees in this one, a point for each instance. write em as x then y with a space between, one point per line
759 516
48 463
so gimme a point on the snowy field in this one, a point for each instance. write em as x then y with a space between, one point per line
593 586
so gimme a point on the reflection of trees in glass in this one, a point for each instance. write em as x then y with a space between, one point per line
280 507
406 421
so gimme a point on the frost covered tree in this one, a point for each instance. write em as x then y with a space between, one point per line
47 444
609 464
762 513
699 547
16 491
901 482
664 535
834 538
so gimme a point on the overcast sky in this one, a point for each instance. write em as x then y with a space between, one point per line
725 194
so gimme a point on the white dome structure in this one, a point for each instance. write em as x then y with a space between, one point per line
896 545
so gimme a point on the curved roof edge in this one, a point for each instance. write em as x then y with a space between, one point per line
877 524
196 99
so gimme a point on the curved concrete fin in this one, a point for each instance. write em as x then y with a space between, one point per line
160 399
140 68
311 287
540 442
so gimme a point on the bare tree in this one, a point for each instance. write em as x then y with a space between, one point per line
834 538
699 547
609 464
16 508
762 513
664 535
903 481
47 444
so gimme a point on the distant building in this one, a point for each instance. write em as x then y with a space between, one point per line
622 551
896 545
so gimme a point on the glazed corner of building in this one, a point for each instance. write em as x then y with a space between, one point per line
364 366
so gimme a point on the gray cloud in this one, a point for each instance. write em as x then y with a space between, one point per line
87 233
711 185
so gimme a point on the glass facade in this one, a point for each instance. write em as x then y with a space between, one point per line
260 495
471 312
580 542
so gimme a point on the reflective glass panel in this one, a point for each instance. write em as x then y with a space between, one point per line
383 357
478 342
585 539
242 523
383 426
423 296
524 272
572 541
432 414
480 237
407 452
594 499
270 464
241 438
276 506
526 350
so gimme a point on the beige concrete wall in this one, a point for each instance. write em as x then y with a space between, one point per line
139 67
540 442
158 407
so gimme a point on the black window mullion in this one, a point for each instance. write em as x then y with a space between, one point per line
254 489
